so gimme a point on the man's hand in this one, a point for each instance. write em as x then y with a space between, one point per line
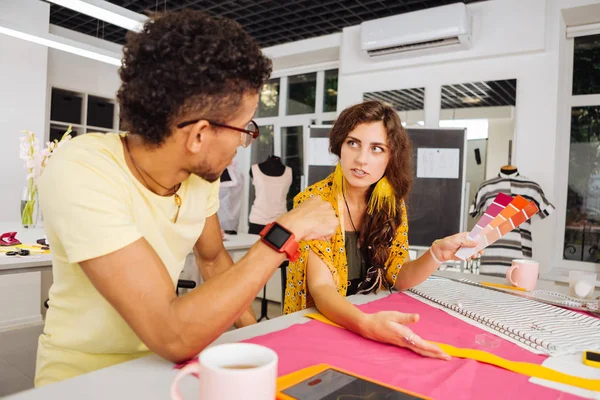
390 327
312 219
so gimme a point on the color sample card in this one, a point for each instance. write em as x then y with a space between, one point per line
510 221
516 205
499 203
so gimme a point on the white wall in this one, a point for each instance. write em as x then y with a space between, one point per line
80 74
27 73
491 37
22 106
22 97
500 132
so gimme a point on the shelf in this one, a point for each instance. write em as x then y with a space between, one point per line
66 124
99 129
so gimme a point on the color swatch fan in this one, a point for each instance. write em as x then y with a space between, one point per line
502 216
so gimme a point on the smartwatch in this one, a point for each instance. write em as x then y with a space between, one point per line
281 240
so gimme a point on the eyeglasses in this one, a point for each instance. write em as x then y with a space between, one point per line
248 135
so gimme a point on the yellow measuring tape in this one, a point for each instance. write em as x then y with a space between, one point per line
527 369
33 249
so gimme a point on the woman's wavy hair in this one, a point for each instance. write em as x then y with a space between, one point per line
378 229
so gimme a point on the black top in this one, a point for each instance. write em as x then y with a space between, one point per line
357 268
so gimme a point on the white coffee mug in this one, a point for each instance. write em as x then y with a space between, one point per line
233 371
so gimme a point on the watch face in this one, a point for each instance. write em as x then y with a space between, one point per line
277 236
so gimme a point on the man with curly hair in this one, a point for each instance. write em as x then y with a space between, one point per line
122 212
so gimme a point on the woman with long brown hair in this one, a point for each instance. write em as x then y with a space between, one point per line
369 250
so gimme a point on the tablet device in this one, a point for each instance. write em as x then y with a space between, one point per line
325 382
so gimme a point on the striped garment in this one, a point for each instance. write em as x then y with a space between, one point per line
516 244
538 327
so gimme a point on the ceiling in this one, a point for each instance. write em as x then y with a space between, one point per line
480 94
463 95
401 100
271 22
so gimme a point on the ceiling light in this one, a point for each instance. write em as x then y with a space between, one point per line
64 44
105 11
471 100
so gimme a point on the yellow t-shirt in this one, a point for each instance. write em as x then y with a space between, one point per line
92 206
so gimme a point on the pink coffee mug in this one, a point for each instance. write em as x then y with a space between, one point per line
233 371
523 273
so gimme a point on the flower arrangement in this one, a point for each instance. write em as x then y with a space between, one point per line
34 161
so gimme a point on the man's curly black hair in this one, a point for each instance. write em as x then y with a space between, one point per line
186 63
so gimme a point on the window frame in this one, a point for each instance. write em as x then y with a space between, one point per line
283 120
560 266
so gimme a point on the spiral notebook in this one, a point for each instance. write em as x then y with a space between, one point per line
540 327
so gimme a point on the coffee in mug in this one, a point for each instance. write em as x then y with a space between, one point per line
233 371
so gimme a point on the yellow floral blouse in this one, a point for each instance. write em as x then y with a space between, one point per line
332 252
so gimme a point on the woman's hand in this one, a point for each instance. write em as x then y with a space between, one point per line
390 327
444 249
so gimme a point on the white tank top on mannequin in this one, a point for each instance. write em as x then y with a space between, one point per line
271 195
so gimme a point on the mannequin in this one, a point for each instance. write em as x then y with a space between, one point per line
272 180
225 177
517 244
270 201
230 198
509 170
272 166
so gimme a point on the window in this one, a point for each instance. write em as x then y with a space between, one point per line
260 149
268 100
476 128
582 214
302 90
292 145
586 65
306 98
330 92
582 225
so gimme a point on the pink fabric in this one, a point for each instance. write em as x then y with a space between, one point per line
313 343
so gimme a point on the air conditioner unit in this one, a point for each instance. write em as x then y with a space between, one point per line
417 33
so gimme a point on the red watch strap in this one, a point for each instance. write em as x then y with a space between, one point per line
290 247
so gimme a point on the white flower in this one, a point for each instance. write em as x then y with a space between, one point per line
35 158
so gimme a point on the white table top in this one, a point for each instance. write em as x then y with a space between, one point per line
150 377
40 262
35 262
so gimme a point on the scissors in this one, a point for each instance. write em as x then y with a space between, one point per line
21 252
